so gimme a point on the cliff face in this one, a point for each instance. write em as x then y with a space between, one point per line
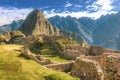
37 24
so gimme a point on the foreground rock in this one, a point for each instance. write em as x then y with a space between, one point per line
87 69
43 61
110 64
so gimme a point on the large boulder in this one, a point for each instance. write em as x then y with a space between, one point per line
87 69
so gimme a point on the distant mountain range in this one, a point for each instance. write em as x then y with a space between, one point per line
10 27
108 29
83 26
104 31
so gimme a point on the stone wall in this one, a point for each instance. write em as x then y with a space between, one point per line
110 51
110 64
72 52
65 67
87 69
95 50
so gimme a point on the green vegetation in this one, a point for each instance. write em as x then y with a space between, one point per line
58 76
45 49
15 67
56 58
66 41
17 33
62 43
35 47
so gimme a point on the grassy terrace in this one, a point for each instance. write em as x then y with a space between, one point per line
55 58
15 67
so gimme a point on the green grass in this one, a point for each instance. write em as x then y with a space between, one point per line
56 58
66 41
46 49
15 67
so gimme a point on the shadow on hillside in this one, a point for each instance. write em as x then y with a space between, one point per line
22 56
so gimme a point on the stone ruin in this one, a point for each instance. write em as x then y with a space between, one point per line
87 69
103 66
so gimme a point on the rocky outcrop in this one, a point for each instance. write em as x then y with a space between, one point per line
37 24
15 37
17 40
43 61
87 69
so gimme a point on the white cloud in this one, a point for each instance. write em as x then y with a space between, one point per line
7 15
88 1
76 5
101 5
94 15
68 4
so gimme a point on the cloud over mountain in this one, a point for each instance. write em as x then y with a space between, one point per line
80 8
9 14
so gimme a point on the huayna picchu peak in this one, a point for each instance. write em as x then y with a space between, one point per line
37 24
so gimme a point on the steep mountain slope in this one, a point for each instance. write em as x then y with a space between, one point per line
112 44
36 24
83 26
101 32
10 27
108 28
98 32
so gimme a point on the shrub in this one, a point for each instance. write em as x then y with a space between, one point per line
59 76
16 33
36 45
61 45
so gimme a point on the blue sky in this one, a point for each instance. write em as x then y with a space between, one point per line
11 10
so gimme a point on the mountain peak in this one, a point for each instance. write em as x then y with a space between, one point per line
37 24
36 12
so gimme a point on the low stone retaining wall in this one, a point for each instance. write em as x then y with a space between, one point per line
65 67
74 52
